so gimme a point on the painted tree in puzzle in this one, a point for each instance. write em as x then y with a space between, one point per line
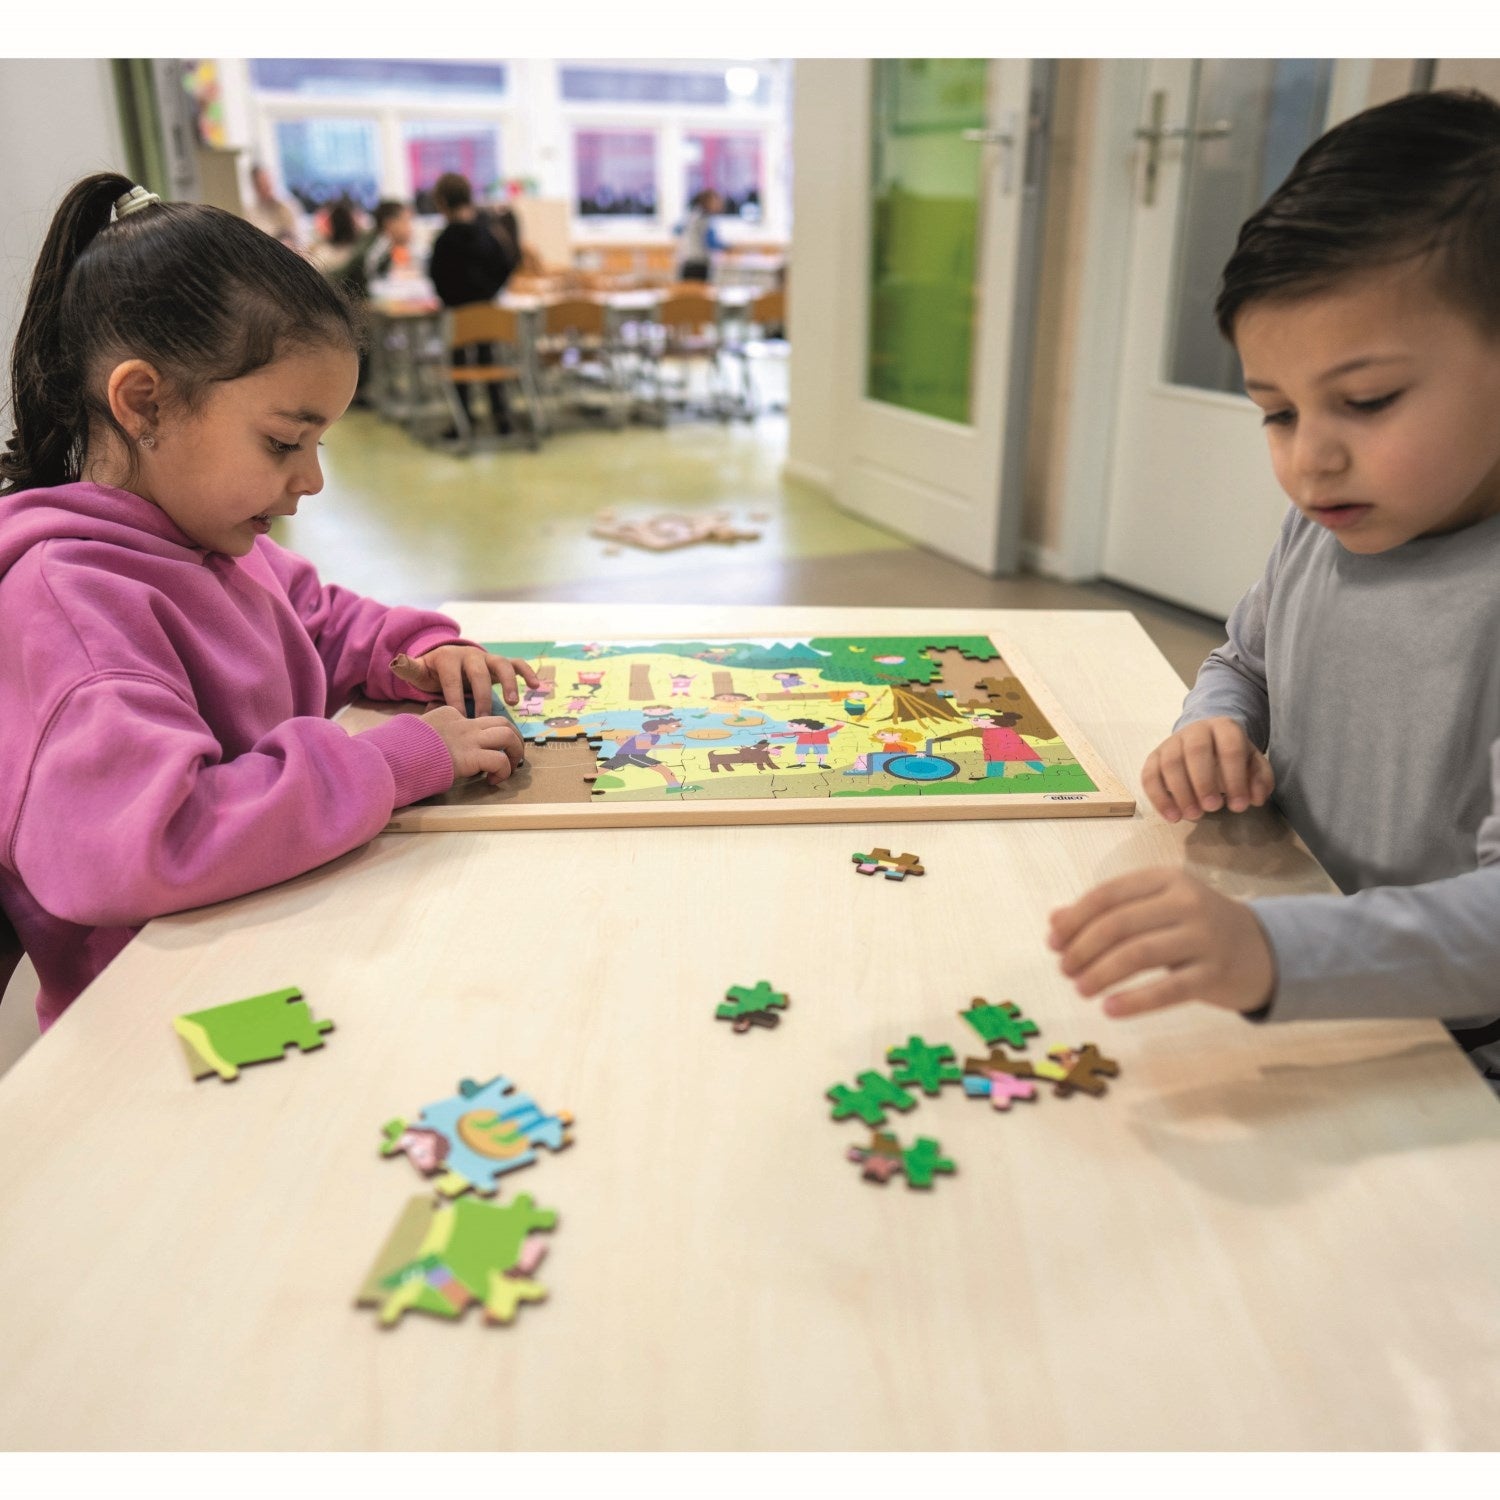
848 717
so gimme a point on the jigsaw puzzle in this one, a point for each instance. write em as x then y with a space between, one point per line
876 1093
441 1258
893 867
477 1135
225 1038
883 1158
751 1007
999 1023
819 728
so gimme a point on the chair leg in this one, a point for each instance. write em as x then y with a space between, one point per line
460 414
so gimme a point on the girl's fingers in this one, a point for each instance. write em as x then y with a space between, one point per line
504 672
450 676
479 685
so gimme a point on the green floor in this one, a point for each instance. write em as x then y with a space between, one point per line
412 524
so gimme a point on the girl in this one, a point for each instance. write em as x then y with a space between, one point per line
1360 682
169 670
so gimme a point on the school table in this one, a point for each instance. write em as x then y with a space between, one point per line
1259 1238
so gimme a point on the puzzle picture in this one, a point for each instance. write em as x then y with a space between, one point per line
803 729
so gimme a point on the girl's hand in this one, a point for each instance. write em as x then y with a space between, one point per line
446 669
487 745
1211 946
1204 766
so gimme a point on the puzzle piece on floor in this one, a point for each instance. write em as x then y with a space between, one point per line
892 866
667 531
224 1038
441 1258
999 1023
876 1093
883 1158
1084 1070
998 1086
481 1132
751 1007
926 1066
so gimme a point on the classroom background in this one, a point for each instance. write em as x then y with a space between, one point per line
918 331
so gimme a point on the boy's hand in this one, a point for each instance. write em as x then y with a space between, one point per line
1212 947
446 669
489 744
1204 766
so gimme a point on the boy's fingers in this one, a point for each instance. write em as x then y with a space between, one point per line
1068 921
1203 771
1156 789
1158 945
1234 763
1171 989
1179 788
1102 936
1262 780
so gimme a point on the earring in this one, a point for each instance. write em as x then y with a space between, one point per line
148 441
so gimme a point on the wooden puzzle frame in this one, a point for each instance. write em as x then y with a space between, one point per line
556 789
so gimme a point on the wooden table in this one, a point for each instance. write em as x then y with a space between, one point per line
1261 1238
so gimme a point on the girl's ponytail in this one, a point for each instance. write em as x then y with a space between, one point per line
47 389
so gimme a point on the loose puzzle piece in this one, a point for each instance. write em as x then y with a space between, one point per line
225 1038
1084 1069
663 533
999 1023
1000 1088
883 1158
892 866
876 1094
751 1007
442 1257
926 1066
483 1131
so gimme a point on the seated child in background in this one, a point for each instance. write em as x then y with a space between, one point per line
1361 679
169 669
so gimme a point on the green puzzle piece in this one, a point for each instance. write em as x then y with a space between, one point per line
999 1023
749 1007
225 1038
922 1160
926 1066
876 1094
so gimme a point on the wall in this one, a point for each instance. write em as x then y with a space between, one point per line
822 148
58 122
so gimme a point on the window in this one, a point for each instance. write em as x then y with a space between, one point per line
435 147
364 76
326 159
730 165
658 86
615 173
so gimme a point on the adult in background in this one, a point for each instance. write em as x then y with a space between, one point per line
268 212
471 261
697 238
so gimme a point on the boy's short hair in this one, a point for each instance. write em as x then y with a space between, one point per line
452 190
1419 176
386 210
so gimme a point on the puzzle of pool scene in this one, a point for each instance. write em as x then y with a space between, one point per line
224 1038
476 1136
1002 1077
442 1257
808 717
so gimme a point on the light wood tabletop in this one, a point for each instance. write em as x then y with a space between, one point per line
1260 1238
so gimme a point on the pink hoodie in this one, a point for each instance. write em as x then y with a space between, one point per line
164 732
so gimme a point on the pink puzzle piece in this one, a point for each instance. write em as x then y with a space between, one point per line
1004 1087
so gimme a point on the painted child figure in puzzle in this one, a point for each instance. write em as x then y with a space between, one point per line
632 752
682 683
170 671
812 737
1003 747
1364 306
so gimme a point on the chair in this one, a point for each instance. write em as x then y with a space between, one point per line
576 355
494 334
761 336
685 329
10 952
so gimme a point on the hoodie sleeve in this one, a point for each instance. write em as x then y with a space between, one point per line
130 812
357 637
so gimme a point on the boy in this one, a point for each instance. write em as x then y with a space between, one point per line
1361 680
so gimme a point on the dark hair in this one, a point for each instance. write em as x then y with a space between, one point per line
452 190
343 229
386 210
1419 176
203 295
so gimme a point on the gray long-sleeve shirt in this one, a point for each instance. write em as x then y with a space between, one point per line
1373 684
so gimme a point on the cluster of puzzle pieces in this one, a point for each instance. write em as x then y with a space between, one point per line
443 1256
1001 1077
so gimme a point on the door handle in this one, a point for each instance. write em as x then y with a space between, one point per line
1158 131
1002 138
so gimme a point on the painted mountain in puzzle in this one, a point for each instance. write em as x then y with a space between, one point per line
859 717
